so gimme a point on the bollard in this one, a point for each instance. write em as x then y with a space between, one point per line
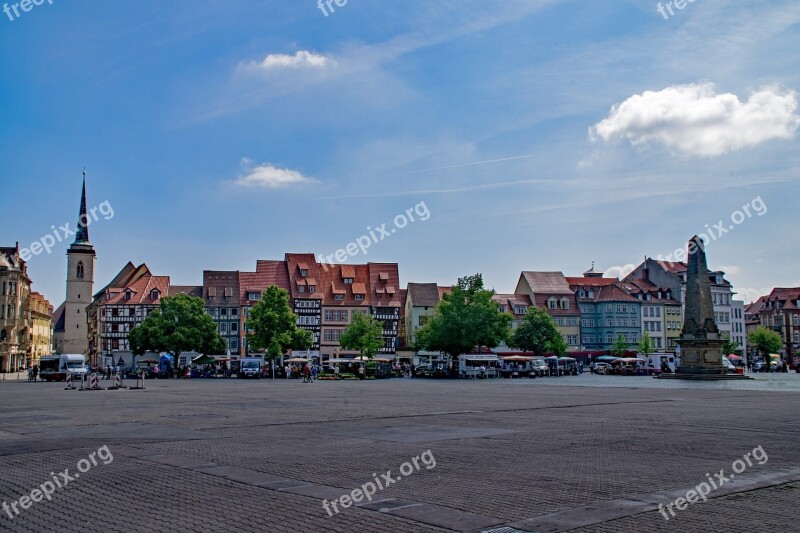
69 382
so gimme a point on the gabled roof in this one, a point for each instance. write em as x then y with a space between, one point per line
590 281
267 273
513 300
294 264
221 288
384 284
190 290
58 319
423 294
547 282
333 284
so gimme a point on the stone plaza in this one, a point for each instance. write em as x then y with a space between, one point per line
584 453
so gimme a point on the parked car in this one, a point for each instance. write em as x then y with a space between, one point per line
423 371
730 367
539 367
600 368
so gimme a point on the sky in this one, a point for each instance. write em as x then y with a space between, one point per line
479 136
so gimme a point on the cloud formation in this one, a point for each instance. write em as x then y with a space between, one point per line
267 176
619 271
693 119
301 59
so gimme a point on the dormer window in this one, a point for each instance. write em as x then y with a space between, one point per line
312 288
301 288
303 273
338 297
384 277
591 294
520 310
228 292
128 295
253 295
564 303
582 293
348 281
154 294
359 297
551 303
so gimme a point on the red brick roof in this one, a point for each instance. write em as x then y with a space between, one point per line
267 273
294 264
590 282
384 284
333 284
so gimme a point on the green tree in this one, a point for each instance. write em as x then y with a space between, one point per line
728 346
538 333
765 341
364 334
619 347
179 325
272 326
465 318
645 345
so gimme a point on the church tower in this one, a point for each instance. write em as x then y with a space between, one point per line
80 285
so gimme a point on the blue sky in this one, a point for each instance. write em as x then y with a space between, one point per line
222 132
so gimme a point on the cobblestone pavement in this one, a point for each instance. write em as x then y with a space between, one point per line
585 453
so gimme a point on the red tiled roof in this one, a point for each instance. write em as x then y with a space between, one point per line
593 282
423 294
333 284
384 276
297 262
268 273
223 286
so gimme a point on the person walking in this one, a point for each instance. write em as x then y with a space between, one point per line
336 371
314 372
35 372
361 372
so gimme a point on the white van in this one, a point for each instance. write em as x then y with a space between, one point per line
56 367
250 367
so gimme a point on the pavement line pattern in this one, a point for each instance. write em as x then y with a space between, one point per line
604 511
434 515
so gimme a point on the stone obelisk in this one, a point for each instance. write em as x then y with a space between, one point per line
700 341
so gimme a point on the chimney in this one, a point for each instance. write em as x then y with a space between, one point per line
645 271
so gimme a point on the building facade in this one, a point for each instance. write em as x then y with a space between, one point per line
780 312
550 291
15 321
221 297
304 276
251 289
41 320
608 312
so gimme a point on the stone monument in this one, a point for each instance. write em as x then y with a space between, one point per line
700 341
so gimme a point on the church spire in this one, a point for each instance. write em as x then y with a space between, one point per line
82 235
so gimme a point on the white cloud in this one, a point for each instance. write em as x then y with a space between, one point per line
730 270
619 271
749 294
301 59
267 176
693 119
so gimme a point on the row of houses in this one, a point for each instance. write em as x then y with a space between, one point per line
780 312
324 297
25 315
592 311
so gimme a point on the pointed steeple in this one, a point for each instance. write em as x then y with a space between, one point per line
82 235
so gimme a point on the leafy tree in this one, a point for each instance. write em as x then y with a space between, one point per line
465 318
273 325
538 333
645 345
364 334
179 325
619 347
728 346
765 341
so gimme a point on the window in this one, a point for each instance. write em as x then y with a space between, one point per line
551 303
520 310
609 338
559 320
348 281
658 312
223 311
79 270
359 297
131 311
608 308
303 273
609 322
572 340
344 315
312 288
585 339
301 288
328 315
154 294
582 293
337 297
223 327
564 303
234 327
254 296
326 334
234 312
128 295
235 343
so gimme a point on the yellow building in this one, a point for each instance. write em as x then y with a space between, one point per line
41 320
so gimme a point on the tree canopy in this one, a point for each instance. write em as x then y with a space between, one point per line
619 347
272 325
539 334
465 318
364 334
179 325
728 346
645 345
765 341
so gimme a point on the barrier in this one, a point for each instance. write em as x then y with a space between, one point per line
93 383
139 376
69 386
117 383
